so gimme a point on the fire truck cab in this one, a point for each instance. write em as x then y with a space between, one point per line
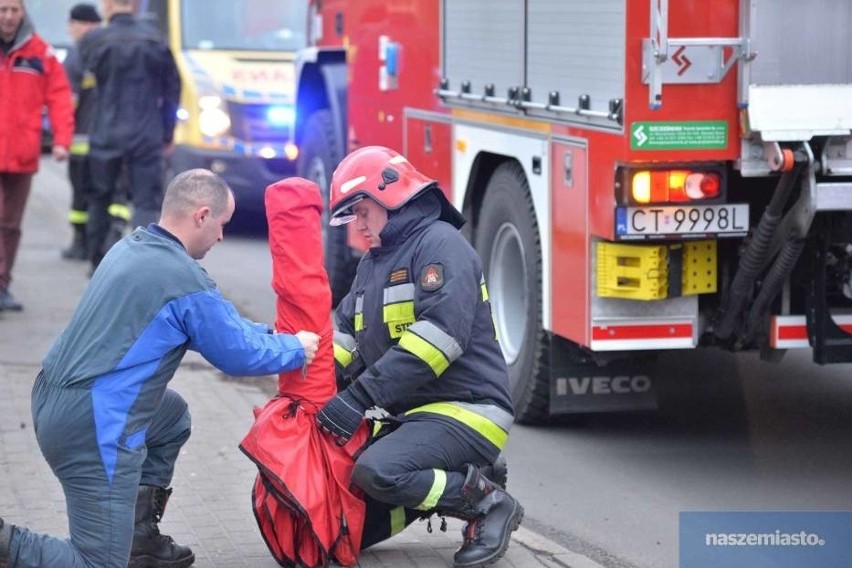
638 176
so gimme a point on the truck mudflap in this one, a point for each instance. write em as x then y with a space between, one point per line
578 387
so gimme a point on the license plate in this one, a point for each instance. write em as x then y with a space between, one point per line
729 220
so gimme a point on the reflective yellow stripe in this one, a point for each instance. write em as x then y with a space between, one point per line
342 355
120 211
425 351
89 81
491 431
438 486
77 217
79 147
404 310
358 318
485 298
398 317
377 427
397 520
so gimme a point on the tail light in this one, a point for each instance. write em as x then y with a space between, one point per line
674 186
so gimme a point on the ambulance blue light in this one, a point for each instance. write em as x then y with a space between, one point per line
280 115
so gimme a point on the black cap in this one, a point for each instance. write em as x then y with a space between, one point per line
84 13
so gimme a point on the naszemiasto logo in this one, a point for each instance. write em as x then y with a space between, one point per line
777 538
605 385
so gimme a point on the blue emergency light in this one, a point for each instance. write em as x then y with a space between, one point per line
280 115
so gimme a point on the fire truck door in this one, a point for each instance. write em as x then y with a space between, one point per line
570 244
428 145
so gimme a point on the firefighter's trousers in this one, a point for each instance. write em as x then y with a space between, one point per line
101 512
416 468
81 187
144 191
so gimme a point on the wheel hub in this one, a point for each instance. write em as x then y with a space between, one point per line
507 283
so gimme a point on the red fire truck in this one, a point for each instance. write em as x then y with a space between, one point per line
637 175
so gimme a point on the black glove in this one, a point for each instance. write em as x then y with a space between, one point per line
342 415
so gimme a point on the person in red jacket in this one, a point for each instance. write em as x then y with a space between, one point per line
31 78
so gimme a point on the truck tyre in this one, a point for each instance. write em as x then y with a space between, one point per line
317 160
507 239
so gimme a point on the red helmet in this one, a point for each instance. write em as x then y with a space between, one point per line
376 172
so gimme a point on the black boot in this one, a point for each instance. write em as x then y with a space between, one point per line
492 516
150 548
77 250
5 543
498 472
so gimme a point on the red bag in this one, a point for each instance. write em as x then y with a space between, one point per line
302 500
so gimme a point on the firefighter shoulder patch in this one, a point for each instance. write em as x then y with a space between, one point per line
398 276
432 277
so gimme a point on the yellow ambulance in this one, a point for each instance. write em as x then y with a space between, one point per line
237 65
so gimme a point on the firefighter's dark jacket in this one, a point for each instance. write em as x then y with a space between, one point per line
83 87
138 86
420 316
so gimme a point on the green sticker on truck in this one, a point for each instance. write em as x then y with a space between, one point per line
687 135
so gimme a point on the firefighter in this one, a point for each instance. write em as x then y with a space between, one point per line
82 19
134 120
415 334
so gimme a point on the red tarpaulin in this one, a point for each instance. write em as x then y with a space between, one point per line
302 500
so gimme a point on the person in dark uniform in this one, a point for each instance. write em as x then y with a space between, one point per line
416 338
134 120
82 19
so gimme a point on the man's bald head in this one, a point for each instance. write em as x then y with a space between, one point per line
195 188
196 207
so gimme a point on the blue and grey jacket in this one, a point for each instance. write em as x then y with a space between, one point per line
147 304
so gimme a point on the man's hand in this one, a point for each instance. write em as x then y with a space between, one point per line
310 341
342 415
60 153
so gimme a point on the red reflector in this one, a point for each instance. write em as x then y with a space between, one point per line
710 186
701 185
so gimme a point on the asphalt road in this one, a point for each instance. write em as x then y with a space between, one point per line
732 433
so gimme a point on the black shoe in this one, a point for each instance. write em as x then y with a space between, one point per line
77 251
8 302
150 548
494 515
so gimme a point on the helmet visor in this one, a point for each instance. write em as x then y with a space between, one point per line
345 214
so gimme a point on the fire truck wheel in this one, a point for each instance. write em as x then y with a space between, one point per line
507 239
317 160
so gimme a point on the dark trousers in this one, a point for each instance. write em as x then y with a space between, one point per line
14 191
144 191
81 181
419 466
101 510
